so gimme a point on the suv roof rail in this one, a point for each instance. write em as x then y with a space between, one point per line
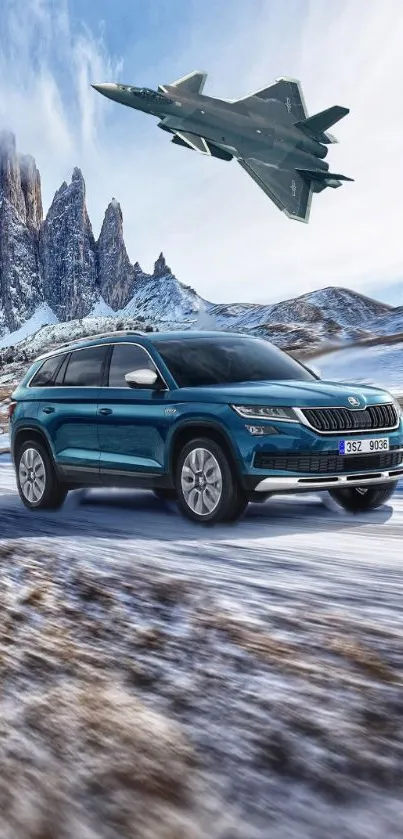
74 341
109 334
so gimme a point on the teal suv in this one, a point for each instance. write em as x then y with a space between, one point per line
212 420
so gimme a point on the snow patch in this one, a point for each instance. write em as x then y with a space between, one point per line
42 316
101 309
4 442
380 365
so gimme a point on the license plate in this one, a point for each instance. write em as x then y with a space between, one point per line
377 444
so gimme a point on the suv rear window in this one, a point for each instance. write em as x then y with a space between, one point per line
46 373
85 367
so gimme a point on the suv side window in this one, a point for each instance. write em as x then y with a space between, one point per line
46 373
85 367
61 371
125 359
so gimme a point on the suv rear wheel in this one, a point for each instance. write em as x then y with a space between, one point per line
363 499
37 482
207 487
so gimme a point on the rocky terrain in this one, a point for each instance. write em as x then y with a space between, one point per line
53 271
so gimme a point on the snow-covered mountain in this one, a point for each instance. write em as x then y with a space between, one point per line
328 316
337 309
54 274
160 298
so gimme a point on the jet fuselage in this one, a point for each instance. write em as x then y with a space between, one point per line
244 130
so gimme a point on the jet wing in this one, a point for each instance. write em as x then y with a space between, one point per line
193 141
184 138
284 90
285 186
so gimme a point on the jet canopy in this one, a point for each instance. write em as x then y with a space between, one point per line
146 93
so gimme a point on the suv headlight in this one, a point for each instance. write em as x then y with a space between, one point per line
266 412
398 406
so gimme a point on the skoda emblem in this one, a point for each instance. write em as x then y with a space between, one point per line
354 401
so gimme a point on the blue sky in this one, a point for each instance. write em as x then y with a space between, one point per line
219 232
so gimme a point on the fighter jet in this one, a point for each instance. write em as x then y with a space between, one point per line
269 132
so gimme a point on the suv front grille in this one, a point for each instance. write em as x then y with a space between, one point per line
332 462
334 420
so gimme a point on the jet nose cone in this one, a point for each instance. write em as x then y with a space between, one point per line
107 89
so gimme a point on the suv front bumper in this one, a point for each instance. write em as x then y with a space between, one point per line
295 483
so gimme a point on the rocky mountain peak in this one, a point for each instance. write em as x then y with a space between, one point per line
115 272
114 211
78 176
20 182
161 269
57 264
20 217
10 174
68 253
115 206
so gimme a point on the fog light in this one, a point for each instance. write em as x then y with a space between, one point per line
261 430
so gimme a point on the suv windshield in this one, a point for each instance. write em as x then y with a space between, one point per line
211 361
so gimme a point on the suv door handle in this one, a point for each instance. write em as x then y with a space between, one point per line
48 409
105 411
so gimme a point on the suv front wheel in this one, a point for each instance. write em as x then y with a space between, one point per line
207 488
38 485
364 498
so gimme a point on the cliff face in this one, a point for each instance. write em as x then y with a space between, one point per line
57 260
117 276
31 189
20 218
67 253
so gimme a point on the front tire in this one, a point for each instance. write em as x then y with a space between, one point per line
37 481
363 499
207 487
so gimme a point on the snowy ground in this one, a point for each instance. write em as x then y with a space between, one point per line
42 317
380 365
164 680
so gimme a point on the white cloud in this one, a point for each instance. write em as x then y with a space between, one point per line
218 230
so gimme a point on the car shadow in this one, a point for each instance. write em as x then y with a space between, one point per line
127 515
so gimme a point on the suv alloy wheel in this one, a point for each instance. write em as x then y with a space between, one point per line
37 482
207 488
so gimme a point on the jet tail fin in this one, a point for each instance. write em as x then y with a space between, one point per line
320 179
192 83
317 125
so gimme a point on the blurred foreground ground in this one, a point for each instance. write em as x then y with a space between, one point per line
161 680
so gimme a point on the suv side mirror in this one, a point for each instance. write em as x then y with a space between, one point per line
142 378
